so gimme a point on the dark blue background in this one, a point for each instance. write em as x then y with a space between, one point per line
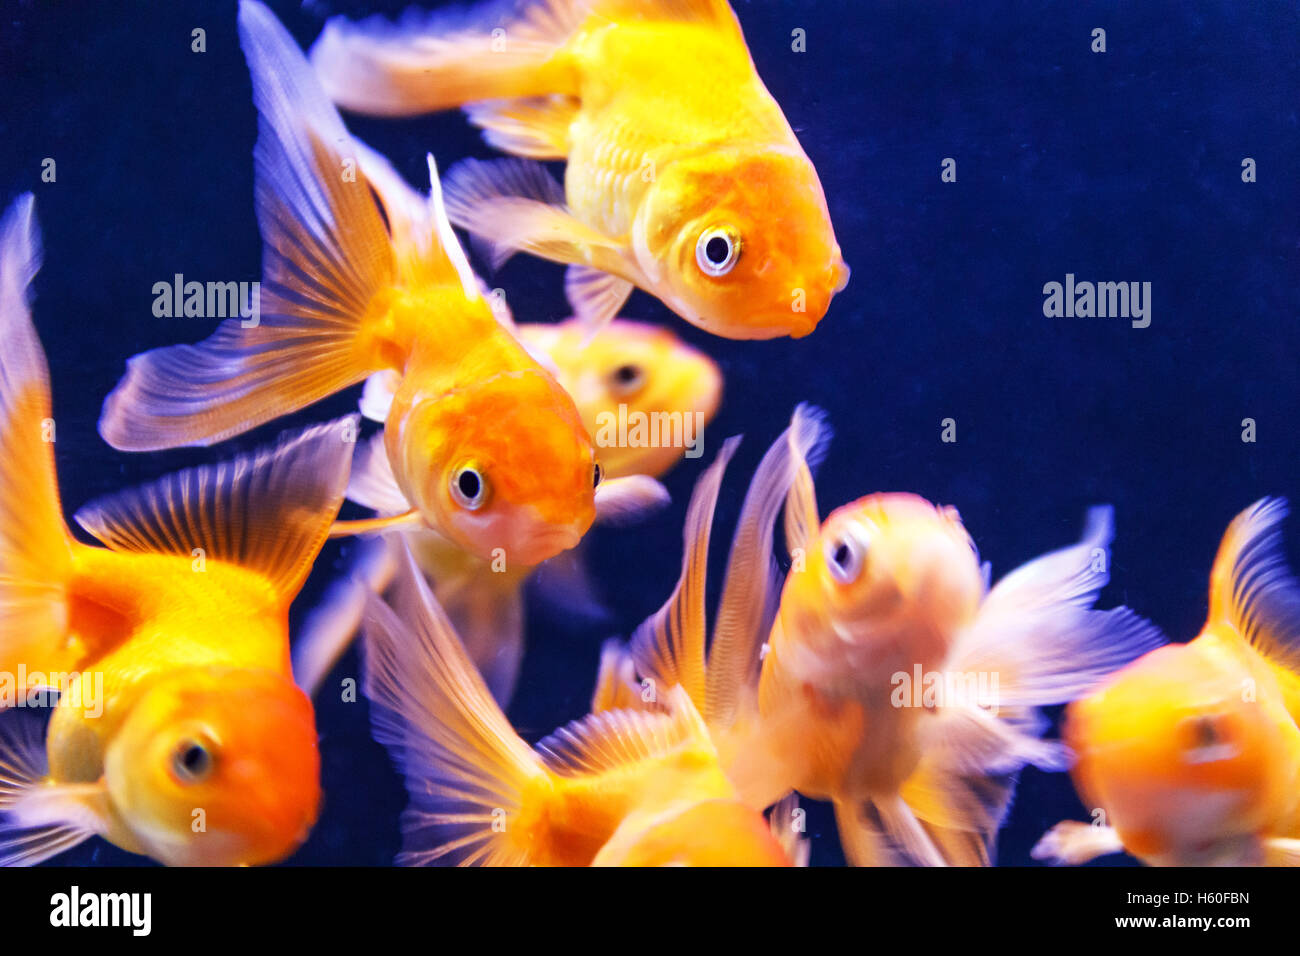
1117 166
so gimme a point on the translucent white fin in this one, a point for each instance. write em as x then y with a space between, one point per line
534 127
669 646
1071 843
466 769
326 254
1036 633
596 297
39 819
329 628
751 590
513 205
626 500
438 61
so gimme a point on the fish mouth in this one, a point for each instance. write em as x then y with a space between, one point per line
840 273
547 543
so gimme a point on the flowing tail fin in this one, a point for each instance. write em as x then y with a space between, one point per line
467 770
326 255
35 548
444 61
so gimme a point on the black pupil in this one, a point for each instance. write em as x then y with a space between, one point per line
841 556
717 249
468 484
1207 734
596 479
627 374
194 759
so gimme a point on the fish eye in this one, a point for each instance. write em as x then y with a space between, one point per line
627 378
193 760
1207 739
844 555
469 488
717 250
598 475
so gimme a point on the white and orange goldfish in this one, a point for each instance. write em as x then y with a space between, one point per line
486 446
884 608
621 788
179 732
1190 756
684 177
627 371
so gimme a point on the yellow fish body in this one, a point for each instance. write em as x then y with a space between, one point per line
179 732
1190 756
684 177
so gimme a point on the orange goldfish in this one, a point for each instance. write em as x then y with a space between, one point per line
918 682
887 594
486 446
632 371
683 176
622 788
1191 755
629 371
178 732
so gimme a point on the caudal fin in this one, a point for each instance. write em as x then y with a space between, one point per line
326 255
442 61
467 770
35 553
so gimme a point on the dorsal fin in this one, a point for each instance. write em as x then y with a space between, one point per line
668 647
750 593
1252 588
612 739
424 243
267 512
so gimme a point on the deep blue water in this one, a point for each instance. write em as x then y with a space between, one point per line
1117 166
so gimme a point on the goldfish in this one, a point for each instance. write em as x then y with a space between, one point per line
883 674
627 371
621 788
486 446
178 732
683 176
1190 756
633 371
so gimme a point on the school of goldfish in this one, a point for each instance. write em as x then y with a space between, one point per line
866 658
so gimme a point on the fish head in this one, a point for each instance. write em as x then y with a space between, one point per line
887 582
1182 750
217 767
642 369
502 467
739 242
